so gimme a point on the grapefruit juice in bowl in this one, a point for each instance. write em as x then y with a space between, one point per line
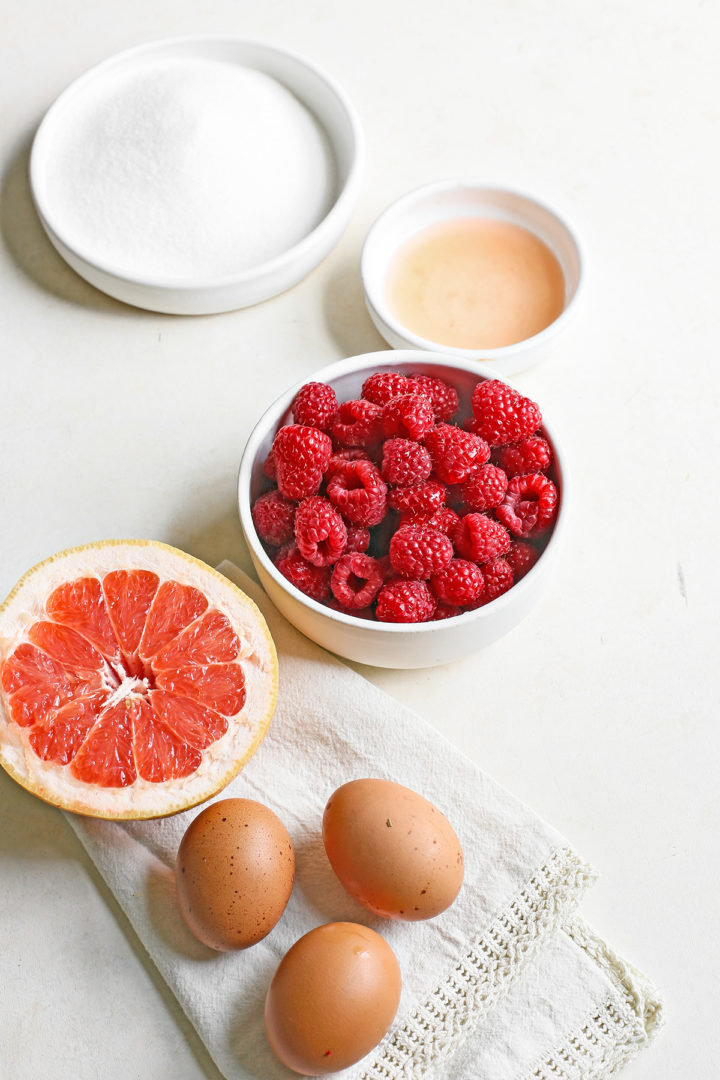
475 283
362 636
473 271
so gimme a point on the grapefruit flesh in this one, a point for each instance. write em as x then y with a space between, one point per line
134 680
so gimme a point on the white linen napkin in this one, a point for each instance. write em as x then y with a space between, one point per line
506 984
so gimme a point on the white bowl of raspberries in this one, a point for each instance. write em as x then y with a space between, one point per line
403 508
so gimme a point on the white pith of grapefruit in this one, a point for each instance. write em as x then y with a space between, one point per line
135 681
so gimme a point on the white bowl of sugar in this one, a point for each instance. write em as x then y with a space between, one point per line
197 175
477 272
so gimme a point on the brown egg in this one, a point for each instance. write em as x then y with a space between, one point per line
235 873
332 998
394 851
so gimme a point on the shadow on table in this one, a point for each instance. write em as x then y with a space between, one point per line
320 887
167 921
30 249
247 1041
211 536
34 830
31 828
28 245
346 316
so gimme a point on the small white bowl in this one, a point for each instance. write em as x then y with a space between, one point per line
320 94
390 645
451 199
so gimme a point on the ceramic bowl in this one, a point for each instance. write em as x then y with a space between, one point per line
444 201
318 92
387 644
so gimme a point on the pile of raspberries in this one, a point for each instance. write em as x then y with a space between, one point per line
384 508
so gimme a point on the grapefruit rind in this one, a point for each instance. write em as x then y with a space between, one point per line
221 761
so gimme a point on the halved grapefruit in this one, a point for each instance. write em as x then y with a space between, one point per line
135 681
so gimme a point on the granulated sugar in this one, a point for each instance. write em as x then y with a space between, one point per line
191 170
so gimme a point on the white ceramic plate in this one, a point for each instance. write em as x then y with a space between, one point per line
392 645
191 295
445 200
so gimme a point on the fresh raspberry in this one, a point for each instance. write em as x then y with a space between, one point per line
357 423
471 424
455 453
530 455
445 611
418 552
315 405
356 580
499 578
408 415
273 516
384 385
301 456
405 602
320 532
358 539
479 538
459 584
405 462
442 508
443 397
503 415
444 520
522 557
529 506
314 581
269 466
424 498
358 491
340 457
484 489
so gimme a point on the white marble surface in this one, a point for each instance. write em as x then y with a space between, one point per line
600 710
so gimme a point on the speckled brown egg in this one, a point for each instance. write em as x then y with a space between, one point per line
393 851
235 873
332 998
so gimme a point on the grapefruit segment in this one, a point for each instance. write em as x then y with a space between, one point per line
159 753
210 639
221 686
61 733
134 680
80 605
28 665
128 595
174 607
34 684
106 756
66 646
198 725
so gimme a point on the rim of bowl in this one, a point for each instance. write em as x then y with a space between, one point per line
269 419
374 289
340 207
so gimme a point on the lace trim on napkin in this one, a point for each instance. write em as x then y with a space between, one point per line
614 1032
436 1027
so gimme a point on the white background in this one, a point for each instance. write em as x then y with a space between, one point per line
600 709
